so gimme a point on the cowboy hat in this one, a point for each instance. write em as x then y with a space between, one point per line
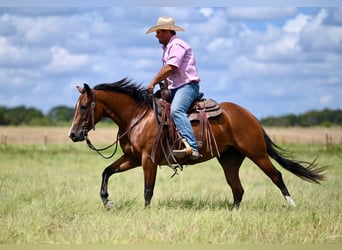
165 23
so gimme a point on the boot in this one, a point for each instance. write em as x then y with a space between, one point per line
182 153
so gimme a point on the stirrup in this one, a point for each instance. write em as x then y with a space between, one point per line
181 153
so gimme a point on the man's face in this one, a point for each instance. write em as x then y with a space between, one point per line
163 36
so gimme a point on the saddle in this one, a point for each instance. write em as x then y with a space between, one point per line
208 106
201 111
201 105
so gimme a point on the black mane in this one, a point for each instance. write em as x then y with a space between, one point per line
138 93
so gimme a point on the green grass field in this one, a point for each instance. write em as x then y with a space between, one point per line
50 194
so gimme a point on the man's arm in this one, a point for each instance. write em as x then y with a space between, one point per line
163 73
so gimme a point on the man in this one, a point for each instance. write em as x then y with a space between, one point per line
180 76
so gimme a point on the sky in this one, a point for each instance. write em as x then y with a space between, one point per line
271 60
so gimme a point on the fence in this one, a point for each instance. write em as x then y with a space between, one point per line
299 135
59 135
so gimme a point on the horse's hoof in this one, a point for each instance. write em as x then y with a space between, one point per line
290 201
109 205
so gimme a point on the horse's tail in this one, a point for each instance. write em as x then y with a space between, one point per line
308 171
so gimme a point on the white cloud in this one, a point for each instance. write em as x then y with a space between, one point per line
8 51
297 24
261 58
206 12
63 61
259 13
316 36
220 43
326 99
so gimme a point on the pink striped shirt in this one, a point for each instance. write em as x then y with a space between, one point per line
179 54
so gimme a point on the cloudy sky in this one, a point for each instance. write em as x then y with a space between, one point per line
271 60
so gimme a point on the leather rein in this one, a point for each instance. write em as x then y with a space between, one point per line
118 137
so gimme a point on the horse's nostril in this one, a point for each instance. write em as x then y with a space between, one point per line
72 135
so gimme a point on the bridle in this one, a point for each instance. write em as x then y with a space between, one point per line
118 137
92 109
92 113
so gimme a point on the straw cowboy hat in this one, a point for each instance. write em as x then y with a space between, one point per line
165 23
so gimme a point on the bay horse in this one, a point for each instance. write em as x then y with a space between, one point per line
237 132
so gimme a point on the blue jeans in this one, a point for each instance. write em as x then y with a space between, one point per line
182 98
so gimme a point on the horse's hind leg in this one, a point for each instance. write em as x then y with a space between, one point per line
267 167
231 161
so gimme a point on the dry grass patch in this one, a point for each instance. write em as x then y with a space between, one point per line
106 135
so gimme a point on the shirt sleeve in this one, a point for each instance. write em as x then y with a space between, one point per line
176 55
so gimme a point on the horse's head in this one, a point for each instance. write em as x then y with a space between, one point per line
84 118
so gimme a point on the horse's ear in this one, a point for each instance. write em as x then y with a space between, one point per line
87 88
81 90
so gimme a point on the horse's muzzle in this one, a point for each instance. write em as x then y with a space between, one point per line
74 137
78 135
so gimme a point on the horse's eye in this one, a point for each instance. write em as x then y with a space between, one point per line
83 108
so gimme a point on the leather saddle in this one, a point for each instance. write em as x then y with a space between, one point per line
209 106
201 105
201 110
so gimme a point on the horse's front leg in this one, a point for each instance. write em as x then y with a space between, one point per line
122 164
150 173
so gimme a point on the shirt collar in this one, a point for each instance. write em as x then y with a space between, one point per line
171 39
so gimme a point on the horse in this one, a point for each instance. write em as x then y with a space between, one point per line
237 132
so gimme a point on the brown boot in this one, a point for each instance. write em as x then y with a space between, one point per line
182 153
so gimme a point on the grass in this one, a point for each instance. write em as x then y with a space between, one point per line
51 195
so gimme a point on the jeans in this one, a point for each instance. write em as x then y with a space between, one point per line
182 98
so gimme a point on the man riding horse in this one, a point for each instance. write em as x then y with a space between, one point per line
236 133
180 77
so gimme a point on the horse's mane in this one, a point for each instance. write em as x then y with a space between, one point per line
125 86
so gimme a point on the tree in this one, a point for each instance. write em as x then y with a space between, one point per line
326 117
60 114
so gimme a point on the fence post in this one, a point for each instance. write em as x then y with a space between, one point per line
4 139
328 139
45 138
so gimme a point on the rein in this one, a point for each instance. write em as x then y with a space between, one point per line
99 150
118 138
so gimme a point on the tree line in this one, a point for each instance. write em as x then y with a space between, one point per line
63 115
22 115
325 117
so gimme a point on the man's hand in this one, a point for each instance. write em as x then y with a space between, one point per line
164 72
150 87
